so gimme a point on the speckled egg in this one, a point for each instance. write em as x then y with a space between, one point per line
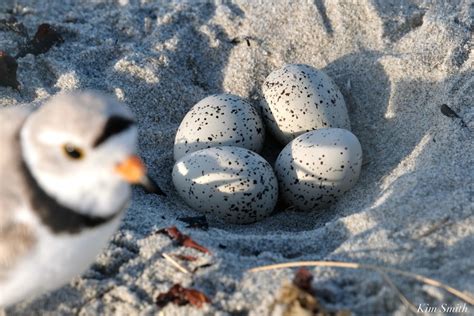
299 99
317 167
219 120
230 183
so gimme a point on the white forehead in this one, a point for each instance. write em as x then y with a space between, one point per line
74 117
87 103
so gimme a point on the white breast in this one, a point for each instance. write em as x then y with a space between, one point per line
54 260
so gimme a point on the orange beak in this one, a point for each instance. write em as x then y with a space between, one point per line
133 171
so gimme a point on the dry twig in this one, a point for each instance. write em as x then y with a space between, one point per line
175 263
402 297
466 297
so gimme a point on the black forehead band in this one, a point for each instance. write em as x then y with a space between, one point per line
115 125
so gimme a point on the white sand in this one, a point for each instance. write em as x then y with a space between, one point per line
395 63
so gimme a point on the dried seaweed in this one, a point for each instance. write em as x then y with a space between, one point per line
46 37
181 239
8 68
182 296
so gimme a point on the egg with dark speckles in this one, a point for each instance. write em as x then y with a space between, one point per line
317 167
229 183
219 120
298 99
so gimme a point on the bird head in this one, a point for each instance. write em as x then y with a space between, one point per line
81 149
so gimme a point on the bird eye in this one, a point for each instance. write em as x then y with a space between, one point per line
73 152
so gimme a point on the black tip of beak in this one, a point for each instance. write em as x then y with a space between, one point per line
150 186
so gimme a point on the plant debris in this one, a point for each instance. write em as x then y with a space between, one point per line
206 265
447 111
297 298
303 279
8 68
465 296
195 222
175 263
11 24
238 40
182 296
185 257
181 239
46 37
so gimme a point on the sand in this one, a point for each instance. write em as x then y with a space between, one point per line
396 62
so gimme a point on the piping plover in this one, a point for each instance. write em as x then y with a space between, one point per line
65 174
